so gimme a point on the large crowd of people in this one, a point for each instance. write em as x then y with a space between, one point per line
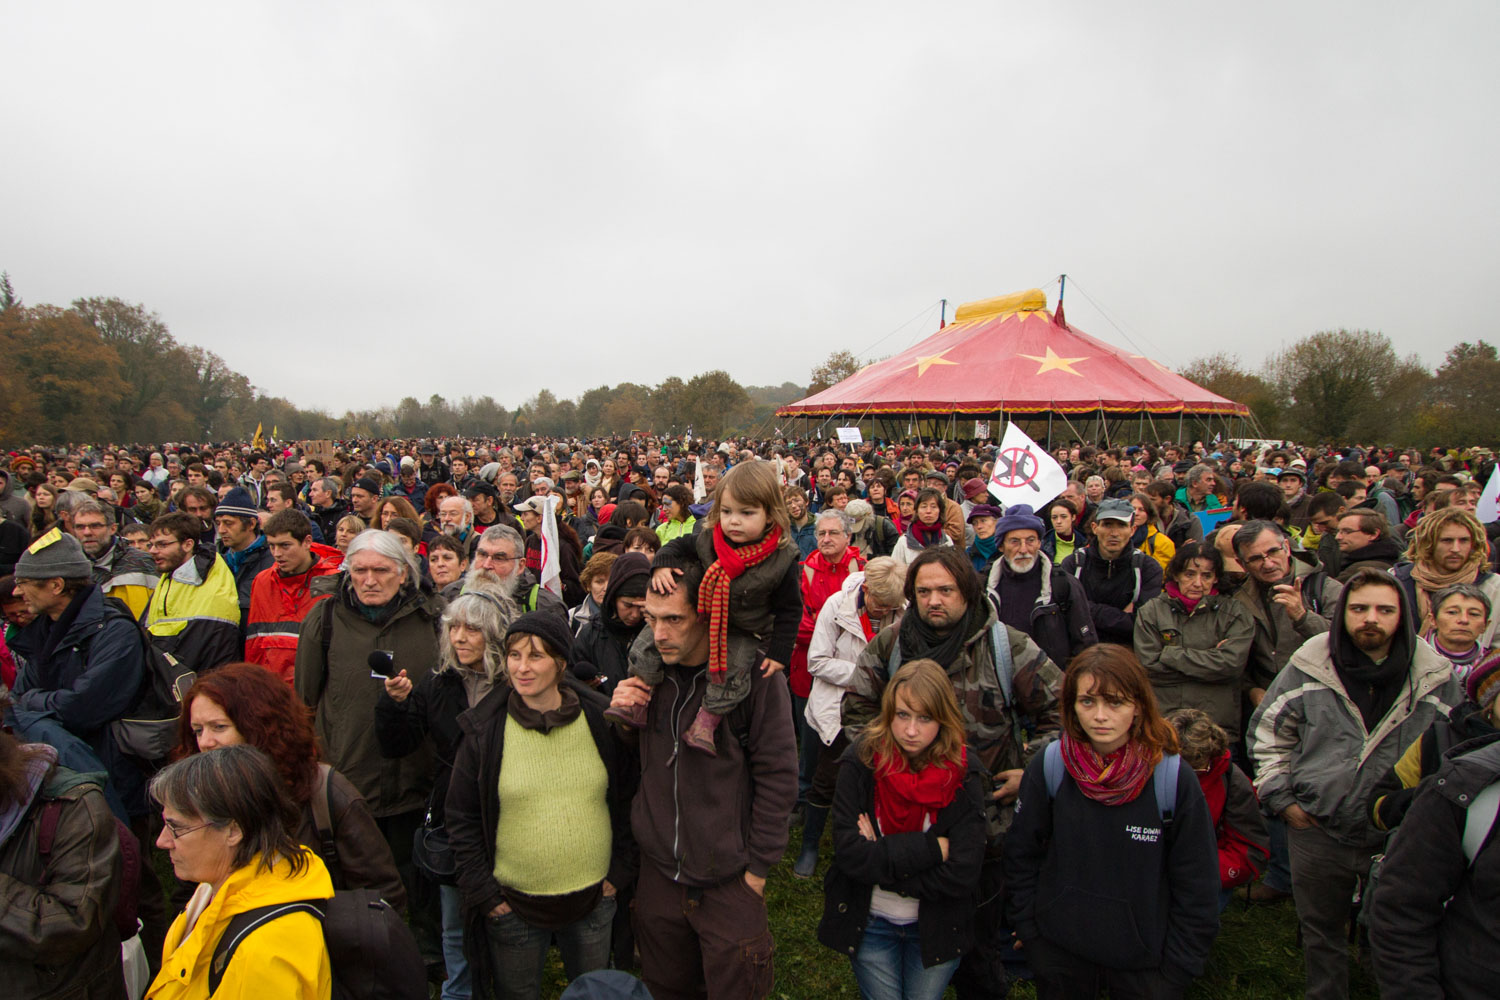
474 699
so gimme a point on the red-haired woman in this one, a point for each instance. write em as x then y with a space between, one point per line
246 703
1112 875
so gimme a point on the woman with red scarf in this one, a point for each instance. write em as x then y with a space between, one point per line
908 840
1112 877
925 528
1194 641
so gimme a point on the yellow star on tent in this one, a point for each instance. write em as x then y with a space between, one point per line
925 362
1054 363
1152 361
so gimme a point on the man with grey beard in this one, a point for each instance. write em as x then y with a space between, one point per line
1035 597
499 566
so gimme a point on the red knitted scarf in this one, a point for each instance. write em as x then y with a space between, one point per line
1112 780
713 593
905 799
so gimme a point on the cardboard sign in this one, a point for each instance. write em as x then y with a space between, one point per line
323 451
850 435
981 428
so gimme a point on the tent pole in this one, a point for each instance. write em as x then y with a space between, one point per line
1179 427
1104 425
1049 430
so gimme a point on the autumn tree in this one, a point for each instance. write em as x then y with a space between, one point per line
1465 394
834 369
715 403
63 379
1342 382
1223 374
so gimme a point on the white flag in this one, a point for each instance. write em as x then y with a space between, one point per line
1024 473
1488 510
551 567
699 490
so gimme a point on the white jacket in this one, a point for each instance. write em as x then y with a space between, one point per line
837 640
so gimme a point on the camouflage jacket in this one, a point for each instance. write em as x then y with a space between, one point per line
1002 736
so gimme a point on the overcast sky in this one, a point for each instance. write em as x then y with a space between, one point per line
353 202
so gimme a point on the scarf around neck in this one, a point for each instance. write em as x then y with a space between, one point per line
920 641
713 593
1112 780
1190 603
983 552
925 535
906 801
1430 580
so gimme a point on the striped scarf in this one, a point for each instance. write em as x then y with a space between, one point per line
713 593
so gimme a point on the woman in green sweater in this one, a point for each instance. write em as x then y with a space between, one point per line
538 814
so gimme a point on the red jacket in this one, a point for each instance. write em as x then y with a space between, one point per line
821 579
1244 839
277 606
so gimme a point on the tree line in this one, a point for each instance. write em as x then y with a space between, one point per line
1350 385
103 369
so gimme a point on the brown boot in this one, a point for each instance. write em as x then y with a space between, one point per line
633 716
1262 893
700 735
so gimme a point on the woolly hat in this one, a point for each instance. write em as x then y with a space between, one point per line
1483 683
237 502
973 488
1019 518
986 510
858 509
54 555
368 484
550 626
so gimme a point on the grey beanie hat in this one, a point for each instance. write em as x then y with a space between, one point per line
59 556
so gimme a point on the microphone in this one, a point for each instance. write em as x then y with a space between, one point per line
382 663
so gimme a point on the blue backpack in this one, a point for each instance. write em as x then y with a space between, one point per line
1164 779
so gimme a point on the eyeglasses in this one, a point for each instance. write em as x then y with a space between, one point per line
177 833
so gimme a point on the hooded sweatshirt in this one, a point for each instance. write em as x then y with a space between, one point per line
603 645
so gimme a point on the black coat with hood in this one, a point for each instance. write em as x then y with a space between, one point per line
1433 919
602 648
1112 585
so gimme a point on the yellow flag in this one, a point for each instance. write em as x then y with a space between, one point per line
258 441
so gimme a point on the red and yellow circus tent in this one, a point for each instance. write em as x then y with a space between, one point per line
1009 357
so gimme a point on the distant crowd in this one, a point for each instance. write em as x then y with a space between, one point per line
476 699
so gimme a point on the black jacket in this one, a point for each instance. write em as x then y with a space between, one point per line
1112 584
431 710
1108 883
909 863
327 519
1433 919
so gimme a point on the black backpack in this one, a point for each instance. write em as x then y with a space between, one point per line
371 950
148 729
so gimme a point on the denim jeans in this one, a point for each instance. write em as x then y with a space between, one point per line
519 950
888 965
456 986
1279 870
808 745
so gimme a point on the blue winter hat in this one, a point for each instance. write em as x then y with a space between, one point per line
1018 518
238 503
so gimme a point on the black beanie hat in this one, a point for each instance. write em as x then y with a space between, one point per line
549 626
